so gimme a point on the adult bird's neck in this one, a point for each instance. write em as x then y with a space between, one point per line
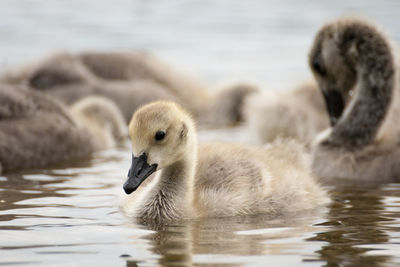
375 84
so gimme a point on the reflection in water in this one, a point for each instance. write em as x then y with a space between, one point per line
208 242
358 217
171 243
357 222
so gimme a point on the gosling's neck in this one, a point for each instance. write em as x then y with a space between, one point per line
172 197
376 80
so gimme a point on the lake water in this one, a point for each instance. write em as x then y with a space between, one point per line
69 216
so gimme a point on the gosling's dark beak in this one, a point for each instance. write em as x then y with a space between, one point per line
138 172
334 104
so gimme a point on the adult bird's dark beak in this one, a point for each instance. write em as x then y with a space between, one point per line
138 172
334 104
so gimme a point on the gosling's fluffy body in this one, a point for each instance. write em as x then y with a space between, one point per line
214 179
36 131
298 114
131 79
352 54
237 180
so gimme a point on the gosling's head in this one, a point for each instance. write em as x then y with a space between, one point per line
335 60
161 134
105 116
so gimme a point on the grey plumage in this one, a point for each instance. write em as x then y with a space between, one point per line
38 131
354 65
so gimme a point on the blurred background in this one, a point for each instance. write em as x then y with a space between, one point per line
265 41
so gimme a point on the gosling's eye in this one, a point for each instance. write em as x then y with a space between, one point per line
317 66
159 135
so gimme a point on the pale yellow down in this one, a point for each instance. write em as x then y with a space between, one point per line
214 179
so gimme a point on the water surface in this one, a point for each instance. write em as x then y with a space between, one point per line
70 217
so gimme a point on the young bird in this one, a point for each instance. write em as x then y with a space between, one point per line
213 179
